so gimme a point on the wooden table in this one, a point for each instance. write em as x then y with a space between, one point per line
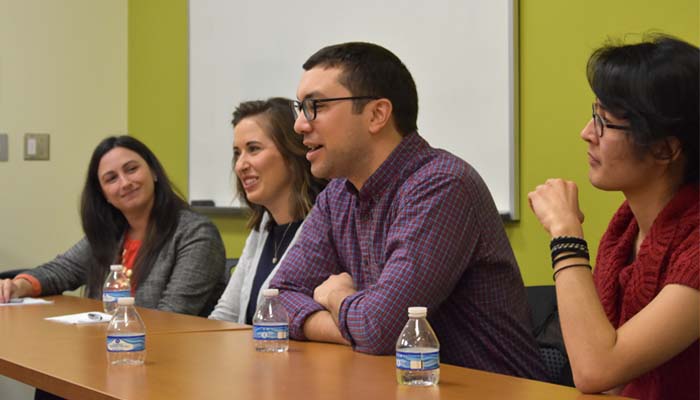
28 324
222 364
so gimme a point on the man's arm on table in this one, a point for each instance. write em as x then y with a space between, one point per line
308 264
429 243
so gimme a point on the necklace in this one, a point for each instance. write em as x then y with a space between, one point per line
277 245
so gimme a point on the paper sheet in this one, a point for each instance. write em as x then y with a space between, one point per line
24 301
92 317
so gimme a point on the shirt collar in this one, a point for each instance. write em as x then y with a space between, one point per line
401 157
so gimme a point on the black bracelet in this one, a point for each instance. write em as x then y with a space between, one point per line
568 244
554 275
572 245
566 239
555 253
567 256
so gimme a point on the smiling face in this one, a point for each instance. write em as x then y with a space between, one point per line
338 139
613 160
260 167
126 181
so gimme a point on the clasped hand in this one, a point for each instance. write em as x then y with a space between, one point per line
331 293
555 203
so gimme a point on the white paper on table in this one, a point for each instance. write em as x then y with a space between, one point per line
92 317
24 301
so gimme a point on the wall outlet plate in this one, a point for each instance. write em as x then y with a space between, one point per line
4 151
36 146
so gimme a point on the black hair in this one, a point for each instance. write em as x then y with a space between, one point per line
655 86
371 70
105 226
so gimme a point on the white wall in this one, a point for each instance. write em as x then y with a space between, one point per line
63 71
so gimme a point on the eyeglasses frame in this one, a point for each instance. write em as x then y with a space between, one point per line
597 118
301 106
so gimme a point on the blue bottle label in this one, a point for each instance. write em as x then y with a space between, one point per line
417 361
126 343
271 332
113 295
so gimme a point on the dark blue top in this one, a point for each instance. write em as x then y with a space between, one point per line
275 246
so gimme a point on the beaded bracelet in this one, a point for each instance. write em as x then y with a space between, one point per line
568 244
559 246
566 239
554 275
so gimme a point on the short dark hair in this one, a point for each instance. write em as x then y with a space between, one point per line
277 118
371 70
655 86
104 225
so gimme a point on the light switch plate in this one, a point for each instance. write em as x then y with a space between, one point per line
3 147
36 146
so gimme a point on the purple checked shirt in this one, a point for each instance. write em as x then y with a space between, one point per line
422 231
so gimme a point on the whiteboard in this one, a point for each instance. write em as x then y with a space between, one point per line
461 53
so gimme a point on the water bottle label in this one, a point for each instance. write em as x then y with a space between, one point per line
113 295
418 361
126 343
271 332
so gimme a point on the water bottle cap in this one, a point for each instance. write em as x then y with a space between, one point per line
116 267
125 301
417 312
271 292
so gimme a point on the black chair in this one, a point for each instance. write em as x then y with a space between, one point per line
230 266
11 273
547 332
219 288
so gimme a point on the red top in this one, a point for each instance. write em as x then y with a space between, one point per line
131 249
669 254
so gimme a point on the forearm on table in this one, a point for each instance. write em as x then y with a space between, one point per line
320 327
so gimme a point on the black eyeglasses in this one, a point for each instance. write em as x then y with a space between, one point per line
600 125
308 106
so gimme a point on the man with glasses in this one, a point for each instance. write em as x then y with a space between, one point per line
402 224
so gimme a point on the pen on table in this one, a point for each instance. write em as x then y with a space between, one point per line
95 316
16 300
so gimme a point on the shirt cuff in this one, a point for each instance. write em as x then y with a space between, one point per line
36 286
343 317
296 325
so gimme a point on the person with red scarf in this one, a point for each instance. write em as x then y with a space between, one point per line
632 327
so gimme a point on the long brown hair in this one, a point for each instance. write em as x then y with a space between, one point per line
278 122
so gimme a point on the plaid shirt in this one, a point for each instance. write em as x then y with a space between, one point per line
423 230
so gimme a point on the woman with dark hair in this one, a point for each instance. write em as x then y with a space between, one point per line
275 181
633 326
131 216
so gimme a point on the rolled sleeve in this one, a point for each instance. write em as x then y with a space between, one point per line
309 262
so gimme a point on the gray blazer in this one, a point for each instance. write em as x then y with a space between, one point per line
188 276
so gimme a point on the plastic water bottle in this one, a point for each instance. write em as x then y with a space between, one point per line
271 324
116 285
417 351
126 335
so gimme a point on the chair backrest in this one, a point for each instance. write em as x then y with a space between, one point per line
547 332
219 288
230 265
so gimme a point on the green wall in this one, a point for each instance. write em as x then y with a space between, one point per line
158 101
556 38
